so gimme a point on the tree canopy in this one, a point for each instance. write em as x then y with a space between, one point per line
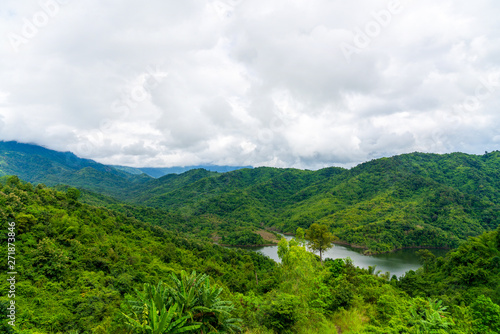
319 239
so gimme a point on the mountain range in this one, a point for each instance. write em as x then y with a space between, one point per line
157 172
410 200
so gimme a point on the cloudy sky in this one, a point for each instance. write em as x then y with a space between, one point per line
285 83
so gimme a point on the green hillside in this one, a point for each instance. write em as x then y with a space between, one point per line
84 269
411 200
40 165
78 262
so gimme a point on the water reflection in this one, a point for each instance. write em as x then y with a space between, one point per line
396 263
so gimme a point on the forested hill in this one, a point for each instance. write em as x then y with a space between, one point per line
410 200
37 164
85 269
77 263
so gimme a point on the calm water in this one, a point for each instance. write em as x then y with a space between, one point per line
396 263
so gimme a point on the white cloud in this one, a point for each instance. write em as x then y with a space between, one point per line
250 82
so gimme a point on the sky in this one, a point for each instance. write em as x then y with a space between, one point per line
283 83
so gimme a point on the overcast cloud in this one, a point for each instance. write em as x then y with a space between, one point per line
285 83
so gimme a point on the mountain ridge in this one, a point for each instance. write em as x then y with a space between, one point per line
158 172
409 200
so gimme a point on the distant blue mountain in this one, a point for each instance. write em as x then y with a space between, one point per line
37 164
162 171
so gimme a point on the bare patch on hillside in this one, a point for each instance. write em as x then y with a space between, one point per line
268 236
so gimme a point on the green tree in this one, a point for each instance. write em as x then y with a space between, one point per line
283 249
319 239
300 236
371 270
282 312
298 266
486 315
73 194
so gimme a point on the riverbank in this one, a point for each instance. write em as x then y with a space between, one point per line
369 252
248 246
403 248
269 238
397 263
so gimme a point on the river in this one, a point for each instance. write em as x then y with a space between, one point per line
397 263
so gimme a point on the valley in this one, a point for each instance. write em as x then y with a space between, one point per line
90 240
413 200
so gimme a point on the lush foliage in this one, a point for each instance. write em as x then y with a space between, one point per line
99 266
39 165
412 200
319 239
339 297
79 262
192 304
462 276
92 270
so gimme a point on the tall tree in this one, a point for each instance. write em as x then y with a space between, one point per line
300 236
319 239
